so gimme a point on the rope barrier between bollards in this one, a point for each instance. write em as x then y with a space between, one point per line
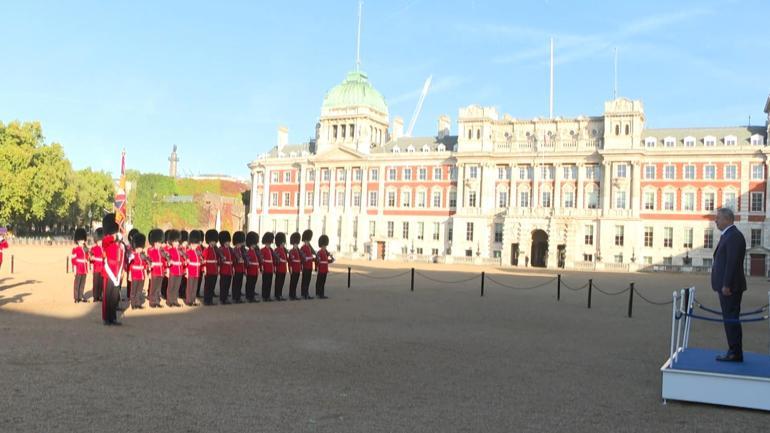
590 290
482 283
558 287
412 283
630 299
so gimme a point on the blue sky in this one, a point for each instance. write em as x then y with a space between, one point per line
217 78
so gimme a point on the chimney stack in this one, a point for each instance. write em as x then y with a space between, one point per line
443 126
283 137
398 128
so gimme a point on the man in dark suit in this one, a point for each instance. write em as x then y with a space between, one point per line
729 281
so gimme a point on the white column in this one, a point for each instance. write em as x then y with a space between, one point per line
512 200
580 185
535 186
606 180
460 186
557 185
636 187
381 190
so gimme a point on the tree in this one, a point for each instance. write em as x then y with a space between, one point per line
94 193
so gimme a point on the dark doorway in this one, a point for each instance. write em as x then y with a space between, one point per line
561 253
757 267
381 250
515 254
539 249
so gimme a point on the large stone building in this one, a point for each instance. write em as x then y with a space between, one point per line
586 192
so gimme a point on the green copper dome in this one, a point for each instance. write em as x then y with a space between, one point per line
355 90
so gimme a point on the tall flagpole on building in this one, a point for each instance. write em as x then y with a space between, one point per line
550 100
358 36
615 85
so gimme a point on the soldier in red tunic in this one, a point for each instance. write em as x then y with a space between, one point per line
184 237
295 266
252 265
166 247
225 267
114 254
280 262
199 249
80 265
3 245
211 266
139 263
175 269
156 267
308 258
239 264
129 252
323 259
267 266
194 262
96 257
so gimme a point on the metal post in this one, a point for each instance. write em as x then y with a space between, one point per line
590 291
348 277
631 300
12 257
558 287
67 264
412 284
482 283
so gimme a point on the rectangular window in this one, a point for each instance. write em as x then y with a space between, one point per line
689 201
356 198
357 174
708 201
310 175
340 199
453 173
728 200
649 172
569 199
588 235
502 199
620 200
452 199
407 174
524 199
525 173
668 237
286 177
450 233
618 258
391 199
669 172
501 173
546 198
436 231
668 201
648 236
406 199
471 198
421 199
473 172
668 261
621 171
437 173
423 174
325 198
372 228
688 235
546 173
275 176
390 229
619 235
419 251
340 174
287 199
325 174
757 172
731 172
569 172
649 200
391 174
420 230
593 172
647 260
469 231
436 198
588 257
405 230
274 199
709 172
498 232
374 174
434 251
708 238
757 201
689 172
707 262
756 238
372 198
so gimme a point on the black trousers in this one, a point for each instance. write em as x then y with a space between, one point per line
267 282
251 286
137 293
237 285
293 280
307 274
731 310
110 302
183 287
224 287
173 289
198 288
192 284
154 290
280 279
78 286
208 288
98 286
164 288
320 284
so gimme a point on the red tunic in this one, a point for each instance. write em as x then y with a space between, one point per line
114 255
175 265
295 260
3 245
267 260
137 268
323 261
252 269
210 261
157 262
282 266
79 260
97 258
193 264
307 252
226 268
240 262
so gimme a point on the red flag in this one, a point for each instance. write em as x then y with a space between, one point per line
120 196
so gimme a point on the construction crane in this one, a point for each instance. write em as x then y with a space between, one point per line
417 109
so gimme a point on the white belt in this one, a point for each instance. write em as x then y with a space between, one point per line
137 268
323 262
209 261
97 260
80 261
156 264
176 263
267 261
196 264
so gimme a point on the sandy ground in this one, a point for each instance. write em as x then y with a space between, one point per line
375 357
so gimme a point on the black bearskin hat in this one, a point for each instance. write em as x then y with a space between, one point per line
80 234
155 236
195 237
99 234
109 226
323 241
173 235
280 238
166 234
212 236
224 236
239 237
184 236
307 235
138 240
252 239
267 238
131 234
294 239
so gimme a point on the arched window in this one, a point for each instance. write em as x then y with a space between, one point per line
628 129
470 132
617 129
478 134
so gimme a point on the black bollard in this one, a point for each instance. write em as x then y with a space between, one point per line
348 277
558 287
412 284
590 290
67 264
12 263
631 300
482 283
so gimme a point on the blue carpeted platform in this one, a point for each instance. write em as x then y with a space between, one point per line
754 364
